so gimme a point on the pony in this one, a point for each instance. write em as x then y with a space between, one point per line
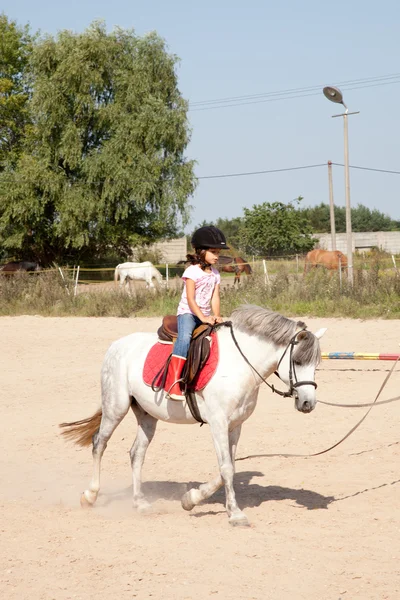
131 271
330 259
15 266
235 265
258 343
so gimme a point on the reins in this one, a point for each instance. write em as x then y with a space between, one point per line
374 403
293 383
292 387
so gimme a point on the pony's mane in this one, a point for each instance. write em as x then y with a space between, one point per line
268 324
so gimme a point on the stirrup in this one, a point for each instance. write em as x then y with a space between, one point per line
171 397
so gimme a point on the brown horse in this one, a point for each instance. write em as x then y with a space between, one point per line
330 259
15 266
228 264
235 265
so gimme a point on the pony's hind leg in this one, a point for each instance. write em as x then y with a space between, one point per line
115 405
145 433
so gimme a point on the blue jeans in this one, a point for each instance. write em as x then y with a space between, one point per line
187 323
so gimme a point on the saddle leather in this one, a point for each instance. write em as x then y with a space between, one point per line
199 349
168 332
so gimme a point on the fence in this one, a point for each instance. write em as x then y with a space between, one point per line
267 266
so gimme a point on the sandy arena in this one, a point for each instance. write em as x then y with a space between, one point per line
323 528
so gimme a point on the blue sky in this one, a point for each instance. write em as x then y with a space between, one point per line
231 48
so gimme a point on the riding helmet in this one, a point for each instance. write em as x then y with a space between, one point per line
209 237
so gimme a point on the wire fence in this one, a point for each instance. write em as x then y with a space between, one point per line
267 265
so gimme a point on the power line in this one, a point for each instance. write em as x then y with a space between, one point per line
296 90
289 94
368 169
261 172
15 177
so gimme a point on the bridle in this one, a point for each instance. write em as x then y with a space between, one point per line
293 381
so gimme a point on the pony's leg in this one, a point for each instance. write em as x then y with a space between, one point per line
109 421
195 496
145 433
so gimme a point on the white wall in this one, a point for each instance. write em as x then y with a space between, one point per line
389 241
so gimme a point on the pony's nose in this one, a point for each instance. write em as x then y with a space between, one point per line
306 407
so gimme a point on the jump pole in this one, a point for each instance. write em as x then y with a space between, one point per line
358 356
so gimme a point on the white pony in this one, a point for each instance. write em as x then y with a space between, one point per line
268 341
131 271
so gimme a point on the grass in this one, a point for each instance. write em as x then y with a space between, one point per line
375 294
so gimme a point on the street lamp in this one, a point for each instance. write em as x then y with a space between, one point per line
335 95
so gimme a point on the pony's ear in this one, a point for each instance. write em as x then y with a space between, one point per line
320 333
302 335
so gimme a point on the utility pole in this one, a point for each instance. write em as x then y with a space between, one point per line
335 95
331 206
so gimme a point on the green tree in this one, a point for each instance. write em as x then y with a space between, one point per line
362 218
365 219
15 48
275 228
103 166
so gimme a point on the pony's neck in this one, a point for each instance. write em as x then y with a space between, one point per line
262 354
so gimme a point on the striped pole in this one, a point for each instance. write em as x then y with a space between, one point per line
358 356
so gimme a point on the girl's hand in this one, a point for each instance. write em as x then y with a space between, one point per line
209 320
218 319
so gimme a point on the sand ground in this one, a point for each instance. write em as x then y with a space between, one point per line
322 528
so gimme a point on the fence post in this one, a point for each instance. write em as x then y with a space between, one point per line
297 263
76 281
63 278
266 278
166 275
340 274
394 263
253 262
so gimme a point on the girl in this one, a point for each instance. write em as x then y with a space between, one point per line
200 296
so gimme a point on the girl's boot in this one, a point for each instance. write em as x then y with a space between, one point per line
172 386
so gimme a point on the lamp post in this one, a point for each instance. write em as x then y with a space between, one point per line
335 95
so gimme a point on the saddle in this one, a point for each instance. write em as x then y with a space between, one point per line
199 349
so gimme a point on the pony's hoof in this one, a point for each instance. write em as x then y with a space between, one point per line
187 502
239 521
144 508
85 501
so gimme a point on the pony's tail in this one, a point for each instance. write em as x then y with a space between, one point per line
82 432
116 273
247 269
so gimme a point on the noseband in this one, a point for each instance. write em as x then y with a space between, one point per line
293 382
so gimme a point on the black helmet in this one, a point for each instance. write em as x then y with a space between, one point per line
209 237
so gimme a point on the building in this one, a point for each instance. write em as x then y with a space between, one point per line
171 251
388 241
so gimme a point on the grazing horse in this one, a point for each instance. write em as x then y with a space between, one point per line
330 259
14 267
131 271
268 343
228 264
235 265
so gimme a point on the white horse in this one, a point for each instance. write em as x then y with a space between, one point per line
131 271
269 341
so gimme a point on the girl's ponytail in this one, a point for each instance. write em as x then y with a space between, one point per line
198 258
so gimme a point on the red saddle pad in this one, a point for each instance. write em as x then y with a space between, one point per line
159 353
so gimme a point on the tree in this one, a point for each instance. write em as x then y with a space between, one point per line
362 218
15 48
275 228
365 219
103 166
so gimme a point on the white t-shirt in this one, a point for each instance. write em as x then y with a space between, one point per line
204 289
